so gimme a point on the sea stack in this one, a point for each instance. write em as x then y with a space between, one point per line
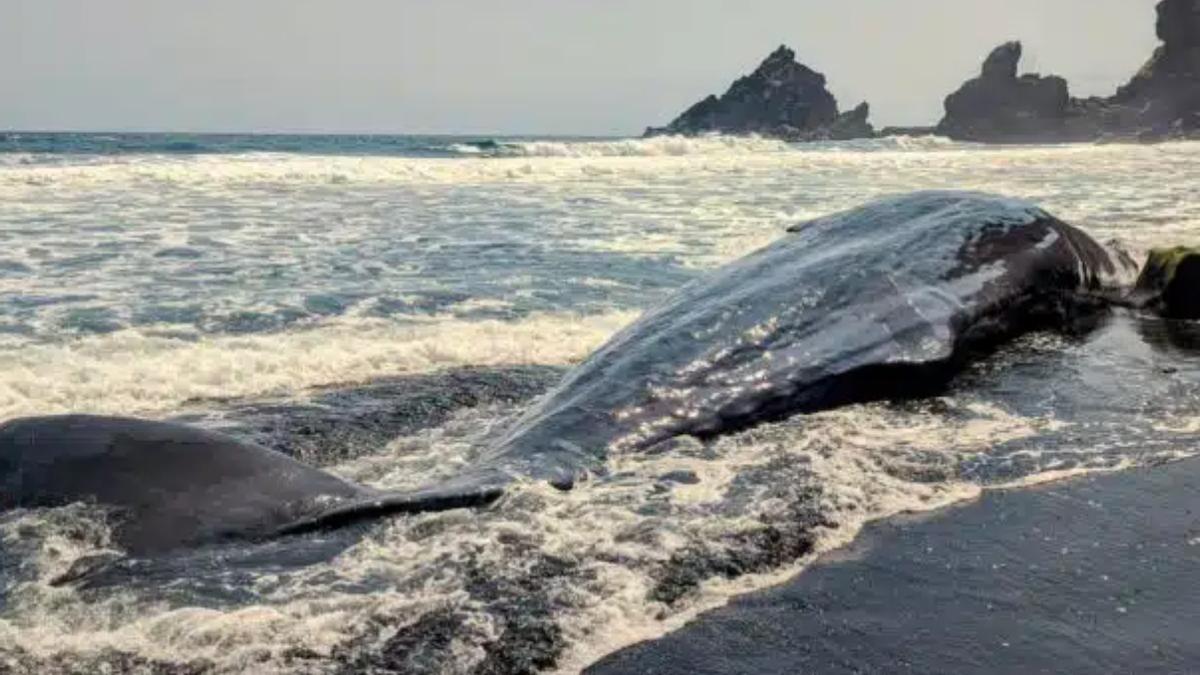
782 98
1000 106
1161 102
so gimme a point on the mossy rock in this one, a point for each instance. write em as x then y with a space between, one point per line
1171 277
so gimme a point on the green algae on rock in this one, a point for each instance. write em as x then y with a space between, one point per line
1170 282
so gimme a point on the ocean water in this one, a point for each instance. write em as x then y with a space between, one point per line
325 294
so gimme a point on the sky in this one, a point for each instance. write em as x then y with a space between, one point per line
563 67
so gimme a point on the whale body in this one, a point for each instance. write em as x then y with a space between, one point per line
174 485
883 301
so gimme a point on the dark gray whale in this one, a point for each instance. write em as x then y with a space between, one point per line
176 485
887 300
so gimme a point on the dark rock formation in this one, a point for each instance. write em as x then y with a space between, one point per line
1170 283
1161 102
1163 98
850 125
1002 63
782 98
1000 106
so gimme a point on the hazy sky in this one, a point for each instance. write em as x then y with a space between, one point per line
515 66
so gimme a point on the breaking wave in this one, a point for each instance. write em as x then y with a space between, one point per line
683 146
661 146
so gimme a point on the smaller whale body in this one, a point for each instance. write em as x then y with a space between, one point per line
887 300
175 485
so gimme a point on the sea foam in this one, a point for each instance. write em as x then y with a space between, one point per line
131 372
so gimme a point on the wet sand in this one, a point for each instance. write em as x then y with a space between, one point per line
1099 574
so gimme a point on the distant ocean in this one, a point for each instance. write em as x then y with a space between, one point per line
249 281
102 144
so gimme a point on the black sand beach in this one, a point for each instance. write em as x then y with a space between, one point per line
1099 574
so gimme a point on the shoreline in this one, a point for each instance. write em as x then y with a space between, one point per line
1088 574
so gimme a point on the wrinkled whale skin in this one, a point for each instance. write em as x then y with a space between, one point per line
171 485
884 301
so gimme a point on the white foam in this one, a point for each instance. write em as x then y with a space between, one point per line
131 372
853 455
726 188
659 146
869 462
544 160
466 149
904 142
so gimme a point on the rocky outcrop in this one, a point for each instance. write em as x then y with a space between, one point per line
785 99
1163 98
1170 283
850 125
1162 101
782 98
999 105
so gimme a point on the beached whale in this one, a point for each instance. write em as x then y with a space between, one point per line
883 301
177 485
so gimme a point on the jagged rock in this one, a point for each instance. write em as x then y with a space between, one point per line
1162 101
852 124
782 98
1002 63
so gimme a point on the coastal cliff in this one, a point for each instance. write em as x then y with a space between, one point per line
1161 102
782 98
